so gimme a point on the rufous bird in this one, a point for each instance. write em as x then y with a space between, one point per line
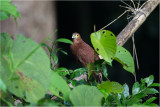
82 51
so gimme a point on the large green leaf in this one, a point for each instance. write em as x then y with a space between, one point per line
84 95
8 9
58 84
125 58
25 68
104 42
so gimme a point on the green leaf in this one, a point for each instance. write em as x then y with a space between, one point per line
8 9
135 88
84 95
58 84
98 64
4 15
150 100
44 44
43 102
133 100
104 93
19 105
78 72
107 85
117 88
138 97
64 40
104 42
149 80
150 91
29 76
5 42
113 100
55 91
54 57
91 69
152 104
139 105
142 85
47 102
59 49
155 84
104 70
7 102
64 52
125 58
2 85
62 71
111 87
126 90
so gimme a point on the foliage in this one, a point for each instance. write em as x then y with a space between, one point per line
29 75
7 9
59 86
18 66
51 51
84 95
125 58
139 91
104 42
26 76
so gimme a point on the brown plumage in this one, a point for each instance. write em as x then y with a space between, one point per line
82 51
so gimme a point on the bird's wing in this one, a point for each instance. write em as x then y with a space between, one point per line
85 54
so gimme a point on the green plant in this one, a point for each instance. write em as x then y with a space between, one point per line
7 9
27 73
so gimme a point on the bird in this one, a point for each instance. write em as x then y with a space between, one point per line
82 51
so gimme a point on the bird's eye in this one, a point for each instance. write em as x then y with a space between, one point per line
77 35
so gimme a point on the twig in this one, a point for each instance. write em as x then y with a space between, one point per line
136 22
114 20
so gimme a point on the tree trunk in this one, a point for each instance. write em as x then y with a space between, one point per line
38 20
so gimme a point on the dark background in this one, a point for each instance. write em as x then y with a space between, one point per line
80 16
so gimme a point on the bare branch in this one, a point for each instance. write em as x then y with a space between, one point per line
137 21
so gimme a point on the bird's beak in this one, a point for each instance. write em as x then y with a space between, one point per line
74 37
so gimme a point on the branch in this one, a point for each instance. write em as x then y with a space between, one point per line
136 22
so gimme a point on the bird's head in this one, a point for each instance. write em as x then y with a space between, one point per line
76 36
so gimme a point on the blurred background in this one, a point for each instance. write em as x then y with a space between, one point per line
41 18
